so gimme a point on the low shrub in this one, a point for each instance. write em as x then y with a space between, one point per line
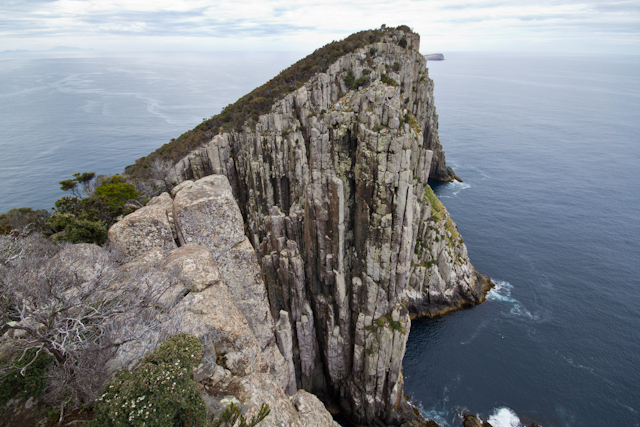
352 83
160 393
436 206
21 381
86 220
388 80
19 218
232 417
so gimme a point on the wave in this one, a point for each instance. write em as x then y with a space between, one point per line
502 292
504 417
452 189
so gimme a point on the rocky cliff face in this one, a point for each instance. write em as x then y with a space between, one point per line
190 251
332 185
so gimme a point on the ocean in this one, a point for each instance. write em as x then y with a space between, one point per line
547 147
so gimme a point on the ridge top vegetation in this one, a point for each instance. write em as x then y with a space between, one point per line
259 101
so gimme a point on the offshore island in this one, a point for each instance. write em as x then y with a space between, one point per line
273 274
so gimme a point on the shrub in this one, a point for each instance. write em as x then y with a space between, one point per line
232 415
21 218
160 393
114 192
396 66
388 80
403 42
79 230
54 308
350 80
436 206
87 219
352 83
25 376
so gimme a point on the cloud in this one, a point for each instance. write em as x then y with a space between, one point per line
476 24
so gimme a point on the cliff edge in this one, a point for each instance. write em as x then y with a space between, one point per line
352 242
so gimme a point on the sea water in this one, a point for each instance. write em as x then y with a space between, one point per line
549 152
548 148
63 114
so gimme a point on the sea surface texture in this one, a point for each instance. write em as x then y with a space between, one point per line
61 115
549 151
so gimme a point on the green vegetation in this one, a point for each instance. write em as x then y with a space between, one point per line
260 100
396 326
21 381
19 218
388 80
396 67
352 83
160 393
76 219
403 42
411 119
450 227
437 208
438 211
232 415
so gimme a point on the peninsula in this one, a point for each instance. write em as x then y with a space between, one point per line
297 241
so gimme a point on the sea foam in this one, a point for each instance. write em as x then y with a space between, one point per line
504 417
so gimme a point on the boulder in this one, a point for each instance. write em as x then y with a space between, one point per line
147 228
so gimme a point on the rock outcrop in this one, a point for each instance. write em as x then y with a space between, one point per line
332 188
206 281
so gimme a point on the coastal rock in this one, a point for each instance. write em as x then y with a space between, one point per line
148 227
194 267
210 286
206 213
332 186
301 410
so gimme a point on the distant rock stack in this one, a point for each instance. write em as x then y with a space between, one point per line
332 186
434 57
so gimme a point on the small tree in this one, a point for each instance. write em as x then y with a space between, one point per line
84 179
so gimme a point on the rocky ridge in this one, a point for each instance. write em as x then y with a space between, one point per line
332 189
191 248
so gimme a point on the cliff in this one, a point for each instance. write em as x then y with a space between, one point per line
352 243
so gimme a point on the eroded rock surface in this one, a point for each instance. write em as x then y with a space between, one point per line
332 186
210 285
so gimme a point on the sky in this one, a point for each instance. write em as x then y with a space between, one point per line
563 26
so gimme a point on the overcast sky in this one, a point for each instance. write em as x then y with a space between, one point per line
584 26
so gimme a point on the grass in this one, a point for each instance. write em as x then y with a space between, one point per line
437 208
